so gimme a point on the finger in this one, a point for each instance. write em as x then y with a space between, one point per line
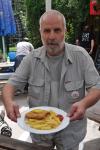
16 110
72 111
77 116
11 115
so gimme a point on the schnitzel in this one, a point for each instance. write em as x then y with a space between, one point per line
37 114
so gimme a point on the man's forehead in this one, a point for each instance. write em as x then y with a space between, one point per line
51 19
52 24
49 16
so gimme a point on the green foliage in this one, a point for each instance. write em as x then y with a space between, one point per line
12 49
20 10
34 11
69 36
76 12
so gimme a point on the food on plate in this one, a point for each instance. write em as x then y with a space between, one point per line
43 119
37 114
60 117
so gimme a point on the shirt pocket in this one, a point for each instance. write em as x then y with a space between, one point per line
36 88
74 91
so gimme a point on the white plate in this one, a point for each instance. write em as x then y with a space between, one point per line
64 123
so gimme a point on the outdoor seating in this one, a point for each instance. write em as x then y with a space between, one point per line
14 144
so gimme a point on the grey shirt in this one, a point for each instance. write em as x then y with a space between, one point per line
55 65
78 73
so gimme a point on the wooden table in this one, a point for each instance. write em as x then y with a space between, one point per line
3 66
6 64
7 143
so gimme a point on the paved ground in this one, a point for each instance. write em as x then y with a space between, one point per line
92 139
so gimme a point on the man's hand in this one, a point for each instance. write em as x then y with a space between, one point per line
12 110
77 111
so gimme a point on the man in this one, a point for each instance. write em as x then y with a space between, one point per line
24 47
86 39
58 74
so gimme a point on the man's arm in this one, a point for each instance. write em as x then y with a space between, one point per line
92 46
11 107
78 109
77 42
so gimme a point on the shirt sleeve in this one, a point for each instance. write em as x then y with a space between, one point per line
92 36
20 76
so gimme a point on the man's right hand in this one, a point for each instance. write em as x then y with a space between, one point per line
12 111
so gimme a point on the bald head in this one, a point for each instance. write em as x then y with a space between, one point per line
52 14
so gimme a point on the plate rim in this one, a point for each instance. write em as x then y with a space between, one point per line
63 124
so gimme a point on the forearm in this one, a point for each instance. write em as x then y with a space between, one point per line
78 109
91 98
92 45
12 109
8 94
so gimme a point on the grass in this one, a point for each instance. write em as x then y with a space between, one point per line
12 49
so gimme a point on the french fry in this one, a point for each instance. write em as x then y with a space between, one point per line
49 122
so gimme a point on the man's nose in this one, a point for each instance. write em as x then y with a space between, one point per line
52 35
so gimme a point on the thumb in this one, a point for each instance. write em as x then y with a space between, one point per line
72 111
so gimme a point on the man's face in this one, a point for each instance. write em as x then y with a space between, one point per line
52 32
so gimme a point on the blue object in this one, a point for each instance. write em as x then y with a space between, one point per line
12 55
7 22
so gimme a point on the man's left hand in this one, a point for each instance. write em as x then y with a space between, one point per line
77 111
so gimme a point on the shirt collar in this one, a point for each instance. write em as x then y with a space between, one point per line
68 56
41 53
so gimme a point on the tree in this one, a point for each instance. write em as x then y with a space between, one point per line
75 11
34 11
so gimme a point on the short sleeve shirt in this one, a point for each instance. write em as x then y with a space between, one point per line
85 39
78 73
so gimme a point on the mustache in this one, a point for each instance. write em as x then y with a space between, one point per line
52 43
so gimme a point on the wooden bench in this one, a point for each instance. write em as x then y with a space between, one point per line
93 113
7 143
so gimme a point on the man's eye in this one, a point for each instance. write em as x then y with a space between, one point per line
57 30
46 31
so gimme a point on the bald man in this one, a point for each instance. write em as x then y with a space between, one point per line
58 74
